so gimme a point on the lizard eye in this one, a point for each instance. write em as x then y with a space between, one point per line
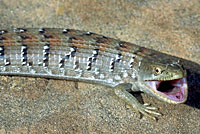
157 70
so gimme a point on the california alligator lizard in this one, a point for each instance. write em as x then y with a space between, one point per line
85 56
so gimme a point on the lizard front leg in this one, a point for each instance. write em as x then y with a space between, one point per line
144 109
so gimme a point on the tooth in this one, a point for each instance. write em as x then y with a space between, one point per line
157 84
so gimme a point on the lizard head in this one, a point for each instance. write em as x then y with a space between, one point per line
165 81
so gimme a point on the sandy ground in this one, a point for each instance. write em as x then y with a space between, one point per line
36 105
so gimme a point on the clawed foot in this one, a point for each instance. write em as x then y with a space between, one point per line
147 110
144 109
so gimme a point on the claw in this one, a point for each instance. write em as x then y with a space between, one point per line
152 108
148 115
152 112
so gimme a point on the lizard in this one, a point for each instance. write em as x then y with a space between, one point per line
89 57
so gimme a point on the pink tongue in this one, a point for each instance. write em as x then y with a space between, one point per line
176 94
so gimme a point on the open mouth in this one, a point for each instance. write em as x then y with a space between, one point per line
175 91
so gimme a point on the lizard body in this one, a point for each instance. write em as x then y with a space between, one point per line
89 57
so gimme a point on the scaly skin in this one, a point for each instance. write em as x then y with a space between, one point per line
84 56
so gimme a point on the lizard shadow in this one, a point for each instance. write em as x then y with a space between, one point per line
193 77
